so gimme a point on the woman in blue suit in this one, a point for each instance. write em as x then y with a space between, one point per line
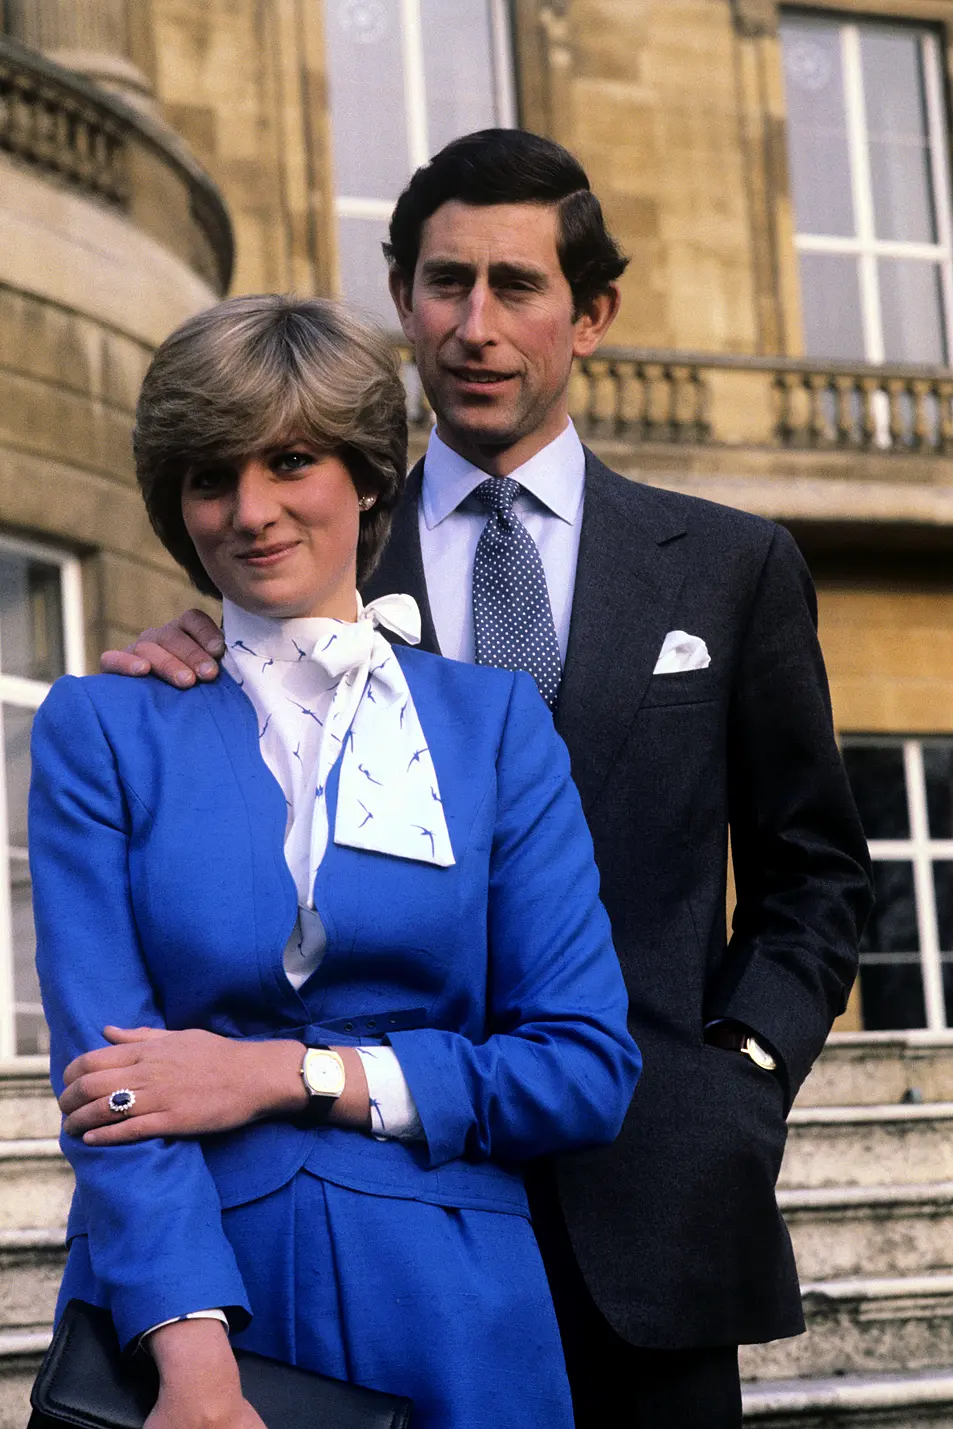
347 897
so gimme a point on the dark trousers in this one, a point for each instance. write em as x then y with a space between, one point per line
611 1380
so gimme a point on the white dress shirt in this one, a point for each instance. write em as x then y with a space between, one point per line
452 521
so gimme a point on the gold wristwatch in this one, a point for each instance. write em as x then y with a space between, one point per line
324 1076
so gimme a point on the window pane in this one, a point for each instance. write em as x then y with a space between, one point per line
363 269
947 971
459 68
830 300
31 623
17 723
817 128
366 84
912 306
898 134
938 769
893 923
943 887
32 1035
877 780
891 996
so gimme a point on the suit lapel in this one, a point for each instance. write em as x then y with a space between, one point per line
630 571
401 567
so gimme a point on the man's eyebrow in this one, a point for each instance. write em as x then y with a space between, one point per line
499 272
518 272
453 266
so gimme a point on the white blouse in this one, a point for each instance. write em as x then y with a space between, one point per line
327 690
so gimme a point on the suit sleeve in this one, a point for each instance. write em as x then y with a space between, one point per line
802 873
152 1210
558 1067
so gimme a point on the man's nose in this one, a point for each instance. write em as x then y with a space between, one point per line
475 325
255 505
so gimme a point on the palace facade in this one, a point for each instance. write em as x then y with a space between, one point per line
780 176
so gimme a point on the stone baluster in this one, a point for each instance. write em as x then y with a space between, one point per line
820 388
925 416
845 388
896 394
629 387
944 397
786 386
657 400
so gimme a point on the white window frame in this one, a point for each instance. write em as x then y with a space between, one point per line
865 246
921 850
29 694
415 98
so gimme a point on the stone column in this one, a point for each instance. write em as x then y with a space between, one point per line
99 39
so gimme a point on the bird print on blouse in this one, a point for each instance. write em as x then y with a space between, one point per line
513 625
346 698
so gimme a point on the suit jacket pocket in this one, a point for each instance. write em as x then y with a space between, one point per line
685 687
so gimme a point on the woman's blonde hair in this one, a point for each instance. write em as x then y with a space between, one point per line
253 372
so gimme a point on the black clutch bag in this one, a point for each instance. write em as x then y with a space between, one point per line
85 1381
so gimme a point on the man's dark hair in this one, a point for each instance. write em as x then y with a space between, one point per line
512 166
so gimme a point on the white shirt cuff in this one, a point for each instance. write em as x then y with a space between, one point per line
192 1315
393 1112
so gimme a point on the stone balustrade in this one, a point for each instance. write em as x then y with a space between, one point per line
628 395
71 131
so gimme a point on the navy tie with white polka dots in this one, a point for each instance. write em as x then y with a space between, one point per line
513 623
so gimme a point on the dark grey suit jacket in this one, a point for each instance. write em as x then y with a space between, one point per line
675 1227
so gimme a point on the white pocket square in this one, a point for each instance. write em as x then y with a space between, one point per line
682 652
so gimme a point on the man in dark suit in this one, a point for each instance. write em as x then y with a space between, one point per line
693 699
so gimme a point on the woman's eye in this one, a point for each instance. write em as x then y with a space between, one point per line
291 461
208 478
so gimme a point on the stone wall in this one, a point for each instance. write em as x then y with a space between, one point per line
98 261
243 83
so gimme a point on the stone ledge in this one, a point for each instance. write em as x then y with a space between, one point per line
848 1393
801 1200
890 1113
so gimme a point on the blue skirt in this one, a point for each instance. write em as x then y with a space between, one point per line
450 1307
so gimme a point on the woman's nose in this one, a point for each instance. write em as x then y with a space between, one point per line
256 505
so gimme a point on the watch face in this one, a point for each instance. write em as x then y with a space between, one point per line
760 1056
323 1072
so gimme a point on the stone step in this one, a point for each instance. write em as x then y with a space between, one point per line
869 1145
842 1231
31 1264
860 1068
36 1184
863 1325
27 1105
20 1355
881 1401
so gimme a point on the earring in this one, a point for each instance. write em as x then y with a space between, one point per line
366 502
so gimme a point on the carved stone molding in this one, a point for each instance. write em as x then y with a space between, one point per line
71 131
754 18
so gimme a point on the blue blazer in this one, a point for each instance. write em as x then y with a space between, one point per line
162 898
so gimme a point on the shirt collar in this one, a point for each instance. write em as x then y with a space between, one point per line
555 476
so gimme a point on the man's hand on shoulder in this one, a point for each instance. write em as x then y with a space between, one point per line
181 652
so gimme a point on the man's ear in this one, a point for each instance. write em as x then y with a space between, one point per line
400 291
595 320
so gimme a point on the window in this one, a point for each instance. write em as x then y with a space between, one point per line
41 637
870 181
406 77
904 790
